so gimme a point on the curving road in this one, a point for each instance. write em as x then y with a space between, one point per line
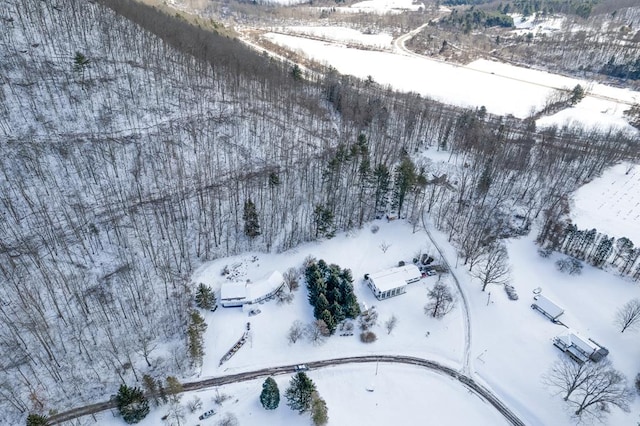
467 368
465 380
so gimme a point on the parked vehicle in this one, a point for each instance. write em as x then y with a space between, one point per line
207 414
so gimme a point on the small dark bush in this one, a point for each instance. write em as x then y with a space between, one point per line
368 337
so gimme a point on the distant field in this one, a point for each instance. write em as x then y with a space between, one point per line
611 203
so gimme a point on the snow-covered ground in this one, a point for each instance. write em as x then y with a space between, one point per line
611 203
402 394
537 24
501 88
343 35
511 343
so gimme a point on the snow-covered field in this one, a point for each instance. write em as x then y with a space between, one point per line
537 25
402 394
611 203
343 35
511 343
501 88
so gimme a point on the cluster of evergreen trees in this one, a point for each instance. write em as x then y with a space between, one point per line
477 18
331 293
597 249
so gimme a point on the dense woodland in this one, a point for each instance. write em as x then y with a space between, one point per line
133 144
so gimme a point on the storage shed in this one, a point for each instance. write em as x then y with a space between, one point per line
393 282
549 308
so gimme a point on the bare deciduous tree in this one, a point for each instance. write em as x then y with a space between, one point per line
590 388
296 331
194 404
628 316
441 301
493 268
291 279
391 323
317 332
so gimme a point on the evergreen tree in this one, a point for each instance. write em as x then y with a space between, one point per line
321 304
299 392
296 72
382 181
37 420
250 217
404 179
270 396
195 341
329 320
577 94
319 410
323 218
602 252
205 297
132 404
80 64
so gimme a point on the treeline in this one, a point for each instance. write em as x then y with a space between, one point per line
593 247
582 8
470 19
331 293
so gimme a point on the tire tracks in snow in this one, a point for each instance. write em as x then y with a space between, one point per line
467 367
484 393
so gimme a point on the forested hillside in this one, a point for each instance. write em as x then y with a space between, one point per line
133 152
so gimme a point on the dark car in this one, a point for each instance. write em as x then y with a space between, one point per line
207 414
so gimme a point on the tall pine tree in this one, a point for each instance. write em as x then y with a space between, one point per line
250 217
205 297
132 404
299 392
270 396
195 341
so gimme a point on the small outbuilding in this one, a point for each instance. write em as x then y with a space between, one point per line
580 349
234 294
393 282
547 307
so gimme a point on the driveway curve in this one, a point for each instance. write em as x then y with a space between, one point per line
465 380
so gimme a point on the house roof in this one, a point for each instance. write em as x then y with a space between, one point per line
262 288
548 306
394 277
579 346
233 291
251 291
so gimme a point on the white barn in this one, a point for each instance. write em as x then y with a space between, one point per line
239 294
393 282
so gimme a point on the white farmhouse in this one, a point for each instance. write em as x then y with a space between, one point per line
579 348
240 294
393 282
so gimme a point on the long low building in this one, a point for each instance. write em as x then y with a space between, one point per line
393 282
234 294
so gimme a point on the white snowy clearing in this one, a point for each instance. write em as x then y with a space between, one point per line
611 203
342 34
536 24
502 88
511 343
